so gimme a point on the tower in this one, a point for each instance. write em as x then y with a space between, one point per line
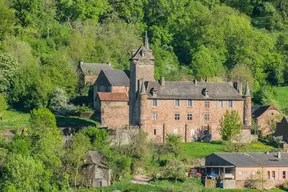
247 107
143 105
141 67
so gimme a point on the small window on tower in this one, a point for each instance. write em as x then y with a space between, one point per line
154 131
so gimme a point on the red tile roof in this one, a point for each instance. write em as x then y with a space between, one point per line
110 96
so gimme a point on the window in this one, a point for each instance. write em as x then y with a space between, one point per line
273 174
284 174
177 102
189 116
206 117
220 104
268 174
154 116
177 116
154 131
154 102
175 131
190 103
230 104
207 104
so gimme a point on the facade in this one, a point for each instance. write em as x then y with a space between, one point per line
110 93
282 129
189 108
88 72
248 170
95 170
266 117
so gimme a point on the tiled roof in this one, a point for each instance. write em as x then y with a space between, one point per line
247 159
260 110
117 77
110 96
94 68
190 90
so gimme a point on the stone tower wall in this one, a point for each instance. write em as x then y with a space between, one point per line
247 112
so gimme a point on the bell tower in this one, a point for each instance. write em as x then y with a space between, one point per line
141 69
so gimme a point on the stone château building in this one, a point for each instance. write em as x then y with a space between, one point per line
189 108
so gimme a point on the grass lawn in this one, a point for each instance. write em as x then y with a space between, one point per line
14 119
190 185
201 149
282 97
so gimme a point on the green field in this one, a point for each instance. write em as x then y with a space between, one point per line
200 150
282 97
14 119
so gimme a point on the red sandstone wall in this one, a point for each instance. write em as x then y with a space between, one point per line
114 114
166 111
264 122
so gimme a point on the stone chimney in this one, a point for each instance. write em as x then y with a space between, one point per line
146 42
195 82
162 81
279 155
238 86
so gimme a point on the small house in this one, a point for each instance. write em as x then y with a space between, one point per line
282 129
266 118
95 170
247 170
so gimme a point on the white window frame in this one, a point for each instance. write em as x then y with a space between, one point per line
154 116
177 116
230 102
220 104
190 103
189 117
155 102
207 104
176 102
206 115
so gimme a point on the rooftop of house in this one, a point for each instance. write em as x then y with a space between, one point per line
98 158
112 96
192 90
117 77
93 68
247 159
257 111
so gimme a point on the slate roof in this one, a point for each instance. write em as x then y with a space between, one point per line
117 77
259 110
247 159
112 96
94 68
98 158
190 90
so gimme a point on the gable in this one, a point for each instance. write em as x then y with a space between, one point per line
260 111
102 79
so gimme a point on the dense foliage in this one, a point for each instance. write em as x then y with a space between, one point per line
42 41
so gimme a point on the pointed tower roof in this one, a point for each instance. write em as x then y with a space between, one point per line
247 90
146 43
143 89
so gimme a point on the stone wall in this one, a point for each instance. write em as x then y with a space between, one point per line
268 119
195 128
114 114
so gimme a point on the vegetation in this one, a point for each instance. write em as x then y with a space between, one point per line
230 125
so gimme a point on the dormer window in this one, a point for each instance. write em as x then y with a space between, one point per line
205 92
153 92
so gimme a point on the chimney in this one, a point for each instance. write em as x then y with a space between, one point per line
195 82
279 155
108 63
162 81
238 86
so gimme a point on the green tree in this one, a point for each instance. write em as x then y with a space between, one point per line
230 125
23 173
7 19
174 143
3 103
8 71
42 118
174 169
